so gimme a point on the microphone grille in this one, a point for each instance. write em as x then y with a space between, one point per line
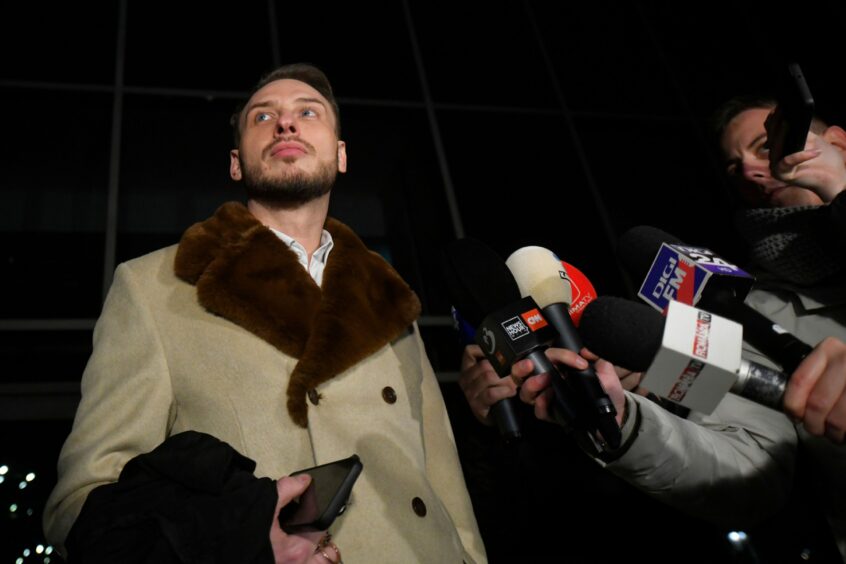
638 246
540 274
621 331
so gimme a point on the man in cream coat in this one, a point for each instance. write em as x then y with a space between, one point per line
273 329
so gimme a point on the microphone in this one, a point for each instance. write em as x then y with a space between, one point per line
466 262
540 274
671 270
508 328
691 357
582 291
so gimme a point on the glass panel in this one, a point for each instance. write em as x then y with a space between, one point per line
605 59
679 194
52 220
44 356
67 42
529 189
364 49
393 195
174 168
482 54
191 45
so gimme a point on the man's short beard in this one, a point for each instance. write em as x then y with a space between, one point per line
290 191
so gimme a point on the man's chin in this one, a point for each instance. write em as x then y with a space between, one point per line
285 199
289 188
288 193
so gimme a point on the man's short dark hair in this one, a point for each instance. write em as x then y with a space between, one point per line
304 72
732 108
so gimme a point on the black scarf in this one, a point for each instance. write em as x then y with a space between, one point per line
795 244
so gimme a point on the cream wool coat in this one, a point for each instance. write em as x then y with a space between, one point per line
163 364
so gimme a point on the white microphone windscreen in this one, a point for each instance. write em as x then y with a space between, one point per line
540 274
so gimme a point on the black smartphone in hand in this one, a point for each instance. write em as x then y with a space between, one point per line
787 128
325 498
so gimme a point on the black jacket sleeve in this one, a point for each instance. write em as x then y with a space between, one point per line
193 499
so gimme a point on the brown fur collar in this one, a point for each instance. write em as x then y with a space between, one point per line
246 274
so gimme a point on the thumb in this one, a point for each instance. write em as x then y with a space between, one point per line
290 487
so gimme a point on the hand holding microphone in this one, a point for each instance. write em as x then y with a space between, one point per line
540 274
691 357
632 334
482 386
479 284
508 330
816 392
537 392
513 335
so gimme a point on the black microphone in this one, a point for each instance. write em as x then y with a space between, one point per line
473 296
540 274
508 328
671 270
687 358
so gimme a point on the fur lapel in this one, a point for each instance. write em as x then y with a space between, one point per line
244 273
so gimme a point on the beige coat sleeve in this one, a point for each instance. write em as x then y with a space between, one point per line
124 409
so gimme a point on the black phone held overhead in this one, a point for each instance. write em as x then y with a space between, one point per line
788 127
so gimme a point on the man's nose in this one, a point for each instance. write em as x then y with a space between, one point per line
755 171
286 124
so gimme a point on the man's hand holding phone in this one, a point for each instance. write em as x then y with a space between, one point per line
820 167
299 547
309 502
797 155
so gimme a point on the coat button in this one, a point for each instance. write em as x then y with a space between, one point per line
418 506
389 395
313 396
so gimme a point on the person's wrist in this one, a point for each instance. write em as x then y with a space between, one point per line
629 425
828 193
623 414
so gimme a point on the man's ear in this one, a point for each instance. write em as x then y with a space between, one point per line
342 156
234 165
836 136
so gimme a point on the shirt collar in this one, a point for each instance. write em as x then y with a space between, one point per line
318 259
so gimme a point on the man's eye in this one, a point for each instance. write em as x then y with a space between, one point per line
308 112
263 116
763 150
